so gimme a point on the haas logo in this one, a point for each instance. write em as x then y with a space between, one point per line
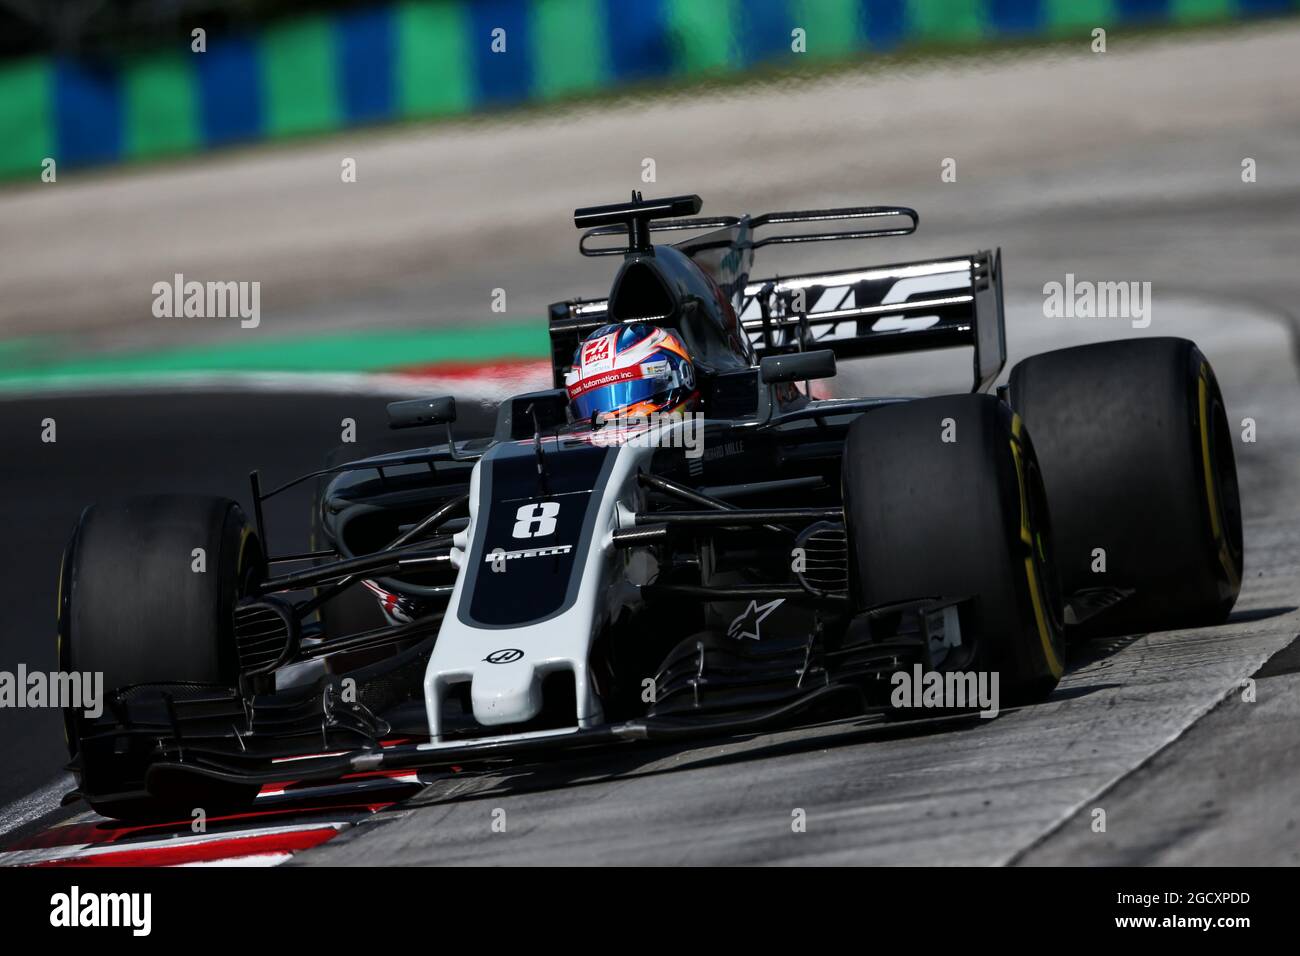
597 351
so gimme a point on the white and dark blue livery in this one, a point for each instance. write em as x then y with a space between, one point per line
675 539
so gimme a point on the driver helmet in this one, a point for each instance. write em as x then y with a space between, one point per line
630 371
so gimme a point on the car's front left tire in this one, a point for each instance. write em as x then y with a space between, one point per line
943 499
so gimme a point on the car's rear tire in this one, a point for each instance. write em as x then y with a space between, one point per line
134 606
1137 458
955 519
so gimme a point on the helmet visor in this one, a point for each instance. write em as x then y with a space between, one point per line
617 395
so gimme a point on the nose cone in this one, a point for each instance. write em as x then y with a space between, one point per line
506 693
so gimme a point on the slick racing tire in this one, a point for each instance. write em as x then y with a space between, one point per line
943 499
135 606
1136 454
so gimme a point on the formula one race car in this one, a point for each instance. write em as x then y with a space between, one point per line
676 539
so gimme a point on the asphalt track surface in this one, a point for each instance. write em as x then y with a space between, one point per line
1152 729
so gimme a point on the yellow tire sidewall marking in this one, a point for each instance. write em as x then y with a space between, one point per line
1211 496
1050 656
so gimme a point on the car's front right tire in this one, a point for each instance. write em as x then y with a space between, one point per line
147 594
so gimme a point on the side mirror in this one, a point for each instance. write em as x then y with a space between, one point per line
419 412
797 367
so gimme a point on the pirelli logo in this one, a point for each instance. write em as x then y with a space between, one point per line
498 557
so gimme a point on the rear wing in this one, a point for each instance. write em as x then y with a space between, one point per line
884 310
910 307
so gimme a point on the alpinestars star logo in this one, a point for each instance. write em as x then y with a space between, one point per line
747 624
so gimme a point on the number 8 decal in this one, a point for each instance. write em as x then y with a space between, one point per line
536 520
